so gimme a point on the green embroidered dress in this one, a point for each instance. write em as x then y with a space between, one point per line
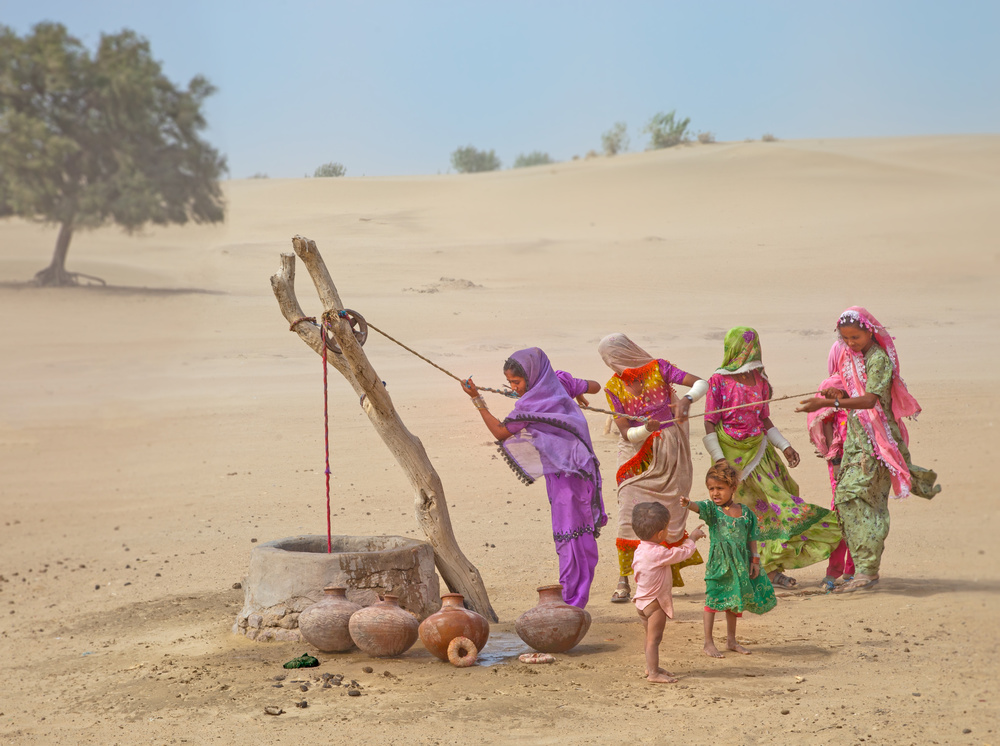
728 585
862 496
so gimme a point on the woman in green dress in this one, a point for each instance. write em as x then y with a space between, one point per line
876 456
733 580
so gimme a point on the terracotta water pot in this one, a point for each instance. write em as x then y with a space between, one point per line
451 621
324 624
553 626
383 629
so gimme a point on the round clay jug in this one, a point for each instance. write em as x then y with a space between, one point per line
324 624
451 621
383 629
553 626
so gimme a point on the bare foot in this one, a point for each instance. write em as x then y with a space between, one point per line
661 677
737 648
711 651
661 671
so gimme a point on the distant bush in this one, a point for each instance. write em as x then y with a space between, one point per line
468 160
615 140
535 158
665 130
768 137
259 175
330 169
706 137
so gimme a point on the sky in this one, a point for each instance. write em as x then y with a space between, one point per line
394 87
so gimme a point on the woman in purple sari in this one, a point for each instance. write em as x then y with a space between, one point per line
547 434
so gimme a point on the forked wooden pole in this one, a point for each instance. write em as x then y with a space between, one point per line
460 575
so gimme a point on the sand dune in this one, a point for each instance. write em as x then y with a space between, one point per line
149 432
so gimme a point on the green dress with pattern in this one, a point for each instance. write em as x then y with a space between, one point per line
864 483
728 585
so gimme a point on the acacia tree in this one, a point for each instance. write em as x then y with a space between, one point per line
87 140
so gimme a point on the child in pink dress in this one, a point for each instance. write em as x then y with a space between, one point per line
654 579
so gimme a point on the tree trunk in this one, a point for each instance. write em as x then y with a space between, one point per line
460 575
55 273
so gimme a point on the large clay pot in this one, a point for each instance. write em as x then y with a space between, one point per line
324 624
383 629
553 626
451 621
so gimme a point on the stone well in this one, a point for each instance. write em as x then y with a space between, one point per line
288 575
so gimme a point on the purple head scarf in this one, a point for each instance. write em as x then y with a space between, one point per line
555 438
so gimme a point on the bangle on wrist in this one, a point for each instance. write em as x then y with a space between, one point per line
836 403
755 560
479 402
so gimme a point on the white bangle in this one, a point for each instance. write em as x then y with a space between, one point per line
637 434
711 442
698 390
777 439
479 402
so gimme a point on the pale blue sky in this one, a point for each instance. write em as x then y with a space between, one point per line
394 87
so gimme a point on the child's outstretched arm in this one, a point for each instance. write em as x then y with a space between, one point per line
686 503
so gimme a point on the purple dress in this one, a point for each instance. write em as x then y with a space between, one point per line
551 438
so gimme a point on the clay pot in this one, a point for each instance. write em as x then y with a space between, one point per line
553 626
451 621
383 629
324 624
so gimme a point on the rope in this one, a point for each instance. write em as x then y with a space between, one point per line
326 442
512 395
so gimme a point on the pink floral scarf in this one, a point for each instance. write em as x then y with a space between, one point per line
874 421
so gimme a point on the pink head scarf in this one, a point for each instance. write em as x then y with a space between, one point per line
874 421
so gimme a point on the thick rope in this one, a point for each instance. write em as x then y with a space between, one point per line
511 394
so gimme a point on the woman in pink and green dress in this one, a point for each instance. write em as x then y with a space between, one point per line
793 533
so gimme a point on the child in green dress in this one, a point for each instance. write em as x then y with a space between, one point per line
733 580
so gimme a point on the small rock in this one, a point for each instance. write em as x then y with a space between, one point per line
367 669
326 685
355 684
304 688
279 677
237 586
906 650
273 710
785 712
97 587
967 730
278 686
303 704
353 693
916 694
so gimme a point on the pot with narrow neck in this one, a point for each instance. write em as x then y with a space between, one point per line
384 629
553 626
324 625
451 621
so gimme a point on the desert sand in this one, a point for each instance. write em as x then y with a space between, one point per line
151 431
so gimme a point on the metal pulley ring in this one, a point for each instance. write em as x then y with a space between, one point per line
359 328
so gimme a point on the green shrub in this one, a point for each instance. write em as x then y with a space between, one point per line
468 160
330 169
534 158
768 137
665 130
706 137
615 140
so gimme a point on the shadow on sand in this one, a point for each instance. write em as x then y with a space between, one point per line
109 289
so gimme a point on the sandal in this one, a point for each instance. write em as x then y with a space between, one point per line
858 584
828 583
622 593
783 581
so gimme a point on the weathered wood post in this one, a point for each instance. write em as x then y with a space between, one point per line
460 575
